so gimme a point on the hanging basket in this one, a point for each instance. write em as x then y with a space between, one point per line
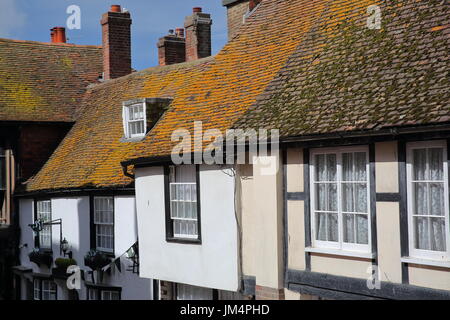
96 260
41 257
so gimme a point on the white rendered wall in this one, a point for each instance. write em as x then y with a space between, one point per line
75 215
214 263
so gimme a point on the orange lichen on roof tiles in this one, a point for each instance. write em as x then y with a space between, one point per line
90 155
366 79
240 73
45 82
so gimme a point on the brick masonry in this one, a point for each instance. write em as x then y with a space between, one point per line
235 14
36 144
171 50
198 36
266 293
116 35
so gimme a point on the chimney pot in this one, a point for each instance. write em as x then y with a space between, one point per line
179 32
116 8
58 35
197 10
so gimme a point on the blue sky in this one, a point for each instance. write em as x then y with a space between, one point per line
32 20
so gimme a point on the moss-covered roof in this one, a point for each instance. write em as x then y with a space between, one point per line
45 81
346 77
90 155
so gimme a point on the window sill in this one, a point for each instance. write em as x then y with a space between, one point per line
184 241
337 252
132 139
427 262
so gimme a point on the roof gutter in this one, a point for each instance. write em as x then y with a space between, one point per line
394 131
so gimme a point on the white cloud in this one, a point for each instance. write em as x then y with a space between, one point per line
11 18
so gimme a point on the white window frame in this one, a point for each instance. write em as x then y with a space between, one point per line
38 289
126 119
111 224
103 293
46 228
173 185
421 253
339 245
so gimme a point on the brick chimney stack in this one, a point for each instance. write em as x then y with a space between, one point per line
198 35
252 4
172 48
116 35
58 35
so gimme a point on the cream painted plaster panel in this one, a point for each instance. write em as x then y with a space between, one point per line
296 228
386 166
248 220
294 170
341 266
268 205
388 235
431 278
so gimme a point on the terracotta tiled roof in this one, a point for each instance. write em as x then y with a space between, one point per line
241 72
44 81
90 155
346 77
216 92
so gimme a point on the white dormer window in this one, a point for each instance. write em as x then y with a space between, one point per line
134 117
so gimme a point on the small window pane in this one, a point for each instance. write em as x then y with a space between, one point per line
362 233
349 228
437 205
420 198
419 161
435 156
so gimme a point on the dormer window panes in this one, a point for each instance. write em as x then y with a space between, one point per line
135 120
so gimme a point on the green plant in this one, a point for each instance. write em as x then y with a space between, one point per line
96 260
64 263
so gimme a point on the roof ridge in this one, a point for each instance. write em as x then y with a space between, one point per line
154 69
50 43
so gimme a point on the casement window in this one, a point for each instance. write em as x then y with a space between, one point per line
104 224
134 117
99 293
428 200
44 214
44 289
340 198
183 202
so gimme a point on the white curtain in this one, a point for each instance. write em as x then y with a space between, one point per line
354 197
429 210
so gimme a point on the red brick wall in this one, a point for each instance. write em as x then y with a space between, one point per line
198 36
36 143
235 14
116 38
171 50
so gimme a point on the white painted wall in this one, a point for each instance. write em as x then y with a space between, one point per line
214 263
74 212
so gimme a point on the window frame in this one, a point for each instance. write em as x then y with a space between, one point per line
340 245
40 289
126 119
421 253
37 240
93 228
99 292
170 237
